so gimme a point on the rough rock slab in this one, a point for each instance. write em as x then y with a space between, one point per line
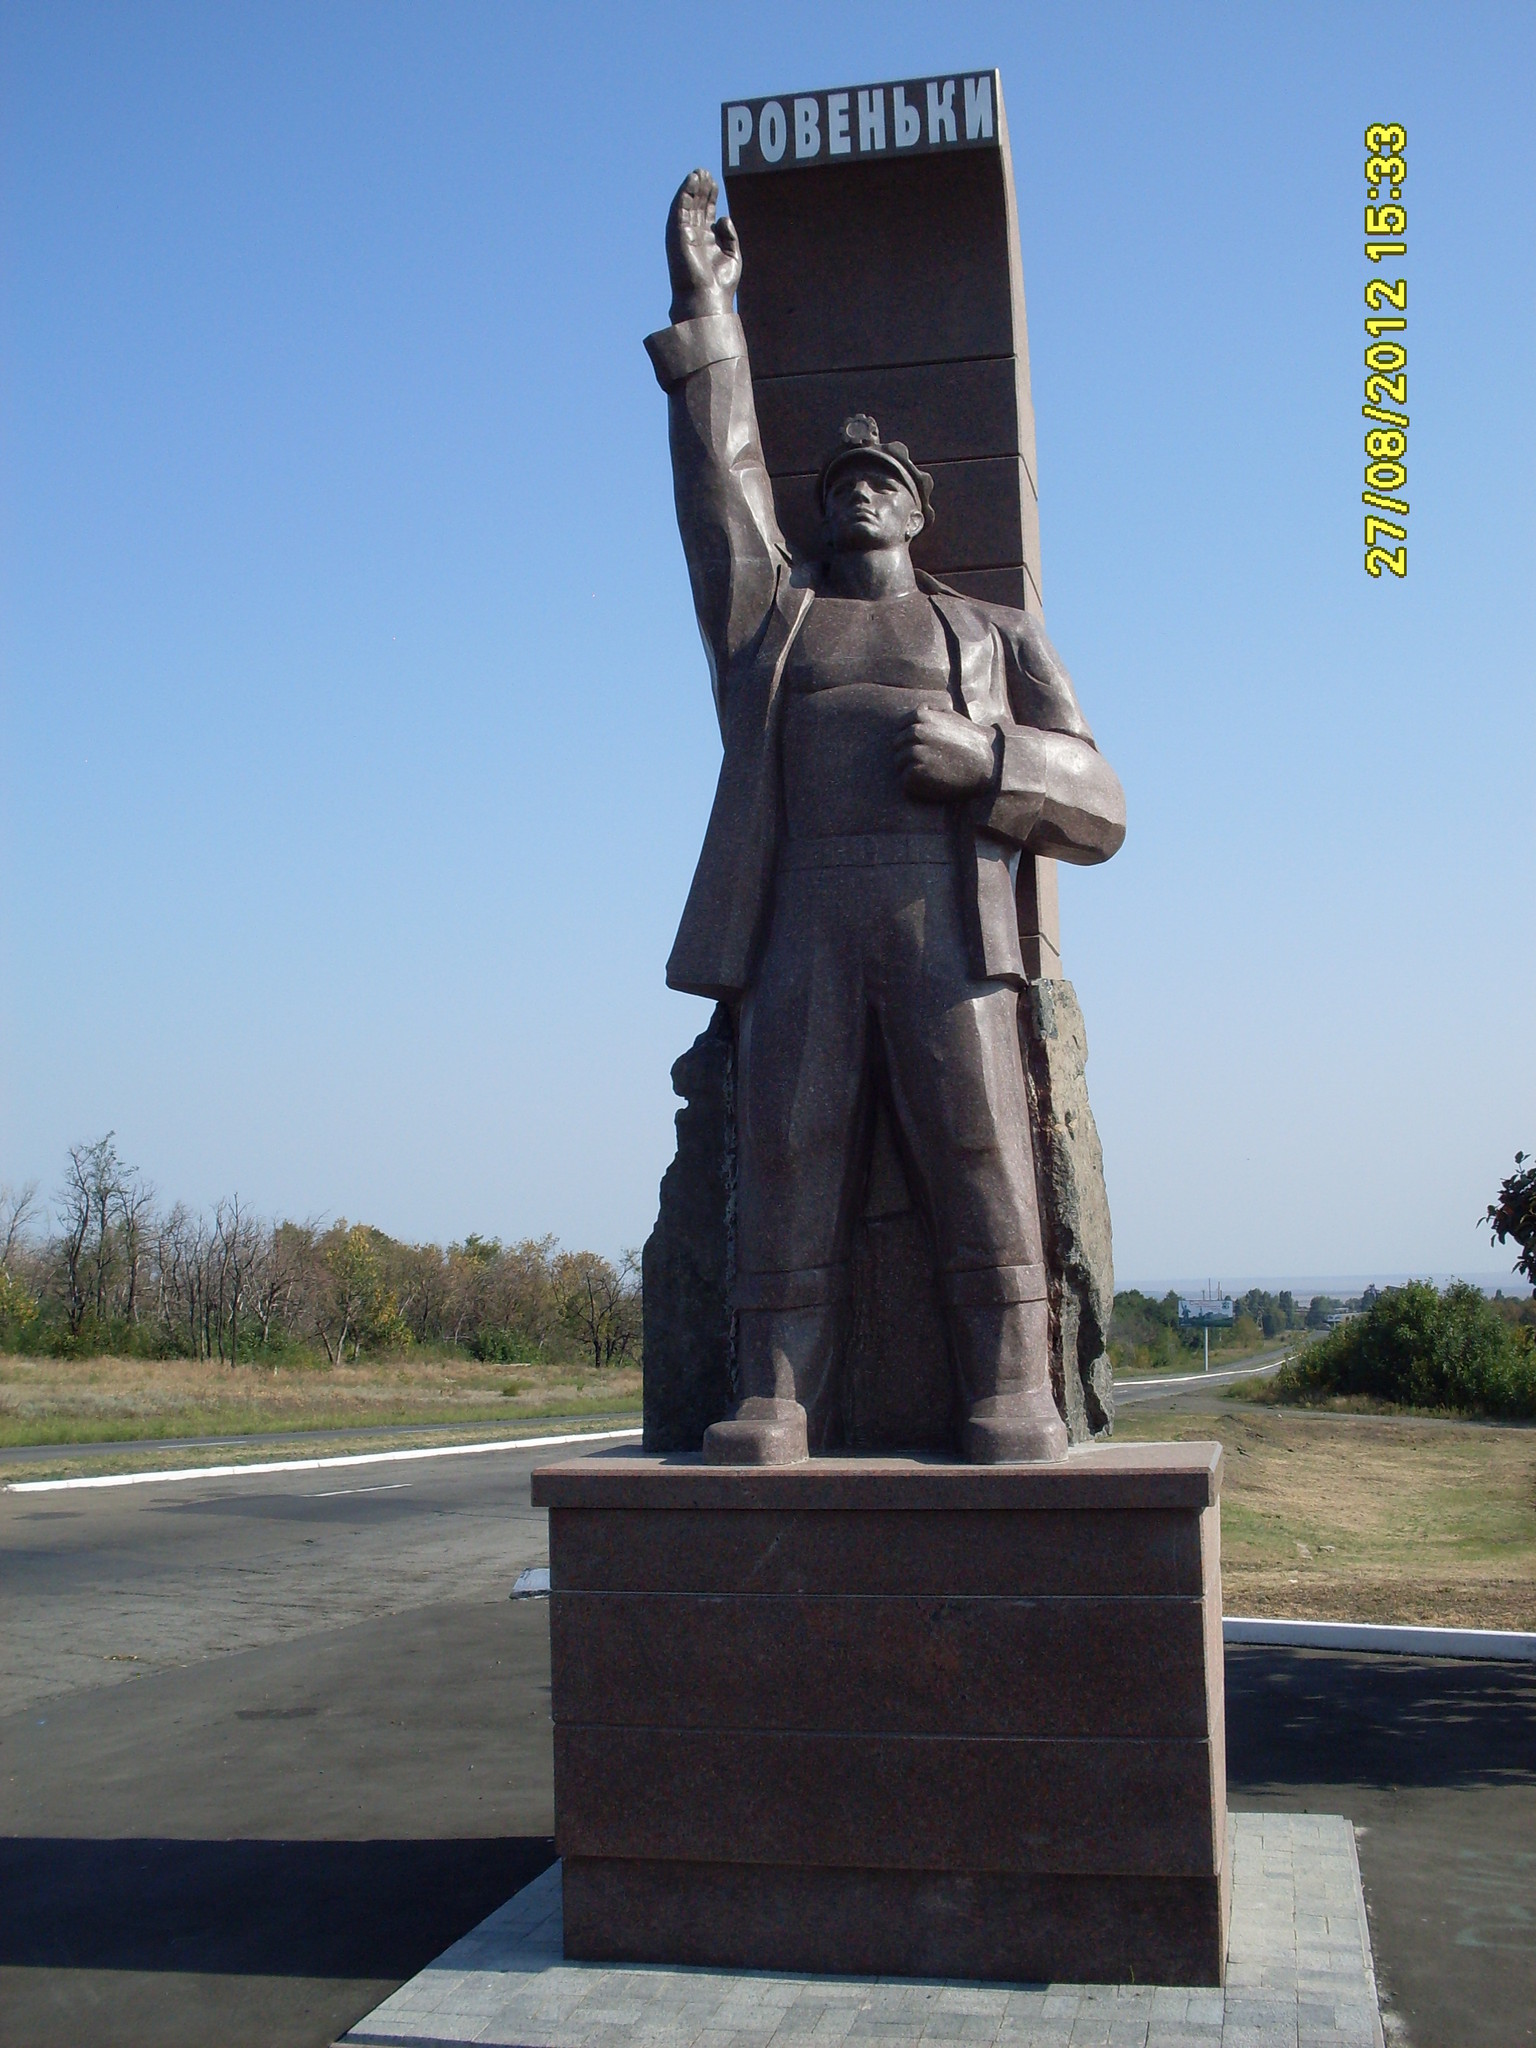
1074 1207
1299 1975
689 1372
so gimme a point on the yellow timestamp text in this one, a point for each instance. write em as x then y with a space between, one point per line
1386 351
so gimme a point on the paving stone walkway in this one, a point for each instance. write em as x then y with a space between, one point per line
1299 1975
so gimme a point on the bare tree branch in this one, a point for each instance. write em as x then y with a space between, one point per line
16 1207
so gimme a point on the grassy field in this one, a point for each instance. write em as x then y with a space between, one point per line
1338 1518
112 1400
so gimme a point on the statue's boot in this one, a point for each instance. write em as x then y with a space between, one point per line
761 1432
784 1368
1011 1416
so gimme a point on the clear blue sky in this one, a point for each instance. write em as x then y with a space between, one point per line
356 743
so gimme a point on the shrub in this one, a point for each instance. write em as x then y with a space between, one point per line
1417 1348
46 1336
504 1347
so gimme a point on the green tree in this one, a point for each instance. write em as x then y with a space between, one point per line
1272 1313
17 1305
1513 1215
357 1306
1144 1333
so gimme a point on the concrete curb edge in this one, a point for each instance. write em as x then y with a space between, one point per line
1497 1645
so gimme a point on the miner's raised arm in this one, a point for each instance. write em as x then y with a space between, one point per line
731 535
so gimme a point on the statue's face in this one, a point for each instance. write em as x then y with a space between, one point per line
868 507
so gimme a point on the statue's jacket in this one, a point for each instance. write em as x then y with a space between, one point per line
1052 791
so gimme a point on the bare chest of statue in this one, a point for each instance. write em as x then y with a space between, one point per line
858 667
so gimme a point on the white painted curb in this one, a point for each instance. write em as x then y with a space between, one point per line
515 1443
1499 1645
1206 1379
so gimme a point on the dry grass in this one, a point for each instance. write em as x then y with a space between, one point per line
101 1400
1369 1519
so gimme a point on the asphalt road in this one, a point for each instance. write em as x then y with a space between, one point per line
330 1755
97 1587
1189 1393
267 1744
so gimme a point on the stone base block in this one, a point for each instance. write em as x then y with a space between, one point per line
1300 1976
993 1927
892 1715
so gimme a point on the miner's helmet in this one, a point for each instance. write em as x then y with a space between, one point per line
861 437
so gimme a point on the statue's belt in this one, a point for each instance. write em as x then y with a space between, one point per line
867 850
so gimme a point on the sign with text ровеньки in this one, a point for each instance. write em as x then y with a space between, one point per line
860 123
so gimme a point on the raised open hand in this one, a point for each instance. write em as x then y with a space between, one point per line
703 254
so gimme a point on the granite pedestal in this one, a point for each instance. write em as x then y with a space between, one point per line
893 1715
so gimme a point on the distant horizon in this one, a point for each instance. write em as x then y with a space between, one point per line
1337 1284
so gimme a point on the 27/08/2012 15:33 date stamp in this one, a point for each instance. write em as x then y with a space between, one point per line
1386 362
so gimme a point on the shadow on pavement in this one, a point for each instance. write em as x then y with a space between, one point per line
1434 1761
362 1910
1317 1717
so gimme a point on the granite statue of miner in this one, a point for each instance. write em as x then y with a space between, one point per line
890 748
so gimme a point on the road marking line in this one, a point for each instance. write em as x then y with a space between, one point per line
344 1492
517 1443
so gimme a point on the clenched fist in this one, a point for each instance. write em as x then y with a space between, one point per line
942 757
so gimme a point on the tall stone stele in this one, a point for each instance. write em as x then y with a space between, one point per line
916 750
